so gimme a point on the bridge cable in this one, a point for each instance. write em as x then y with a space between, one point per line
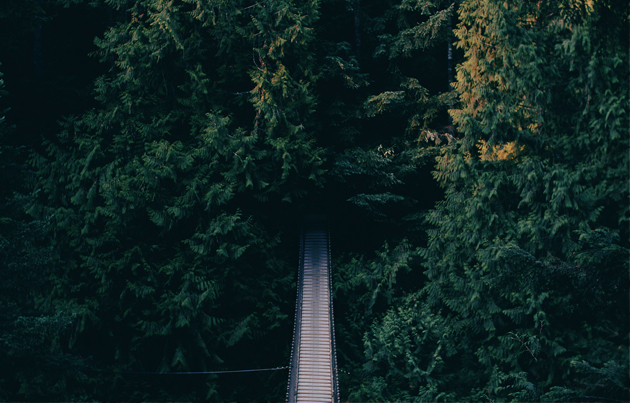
189 373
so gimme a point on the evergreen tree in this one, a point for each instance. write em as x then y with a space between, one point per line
382 164
524 299
402 111
157 197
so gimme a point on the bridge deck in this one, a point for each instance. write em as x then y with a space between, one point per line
313 375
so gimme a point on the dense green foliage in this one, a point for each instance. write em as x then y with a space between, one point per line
154 230
152 195
525 293
30 337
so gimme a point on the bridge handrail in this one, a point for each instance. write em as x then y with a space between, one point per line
295 357
336 395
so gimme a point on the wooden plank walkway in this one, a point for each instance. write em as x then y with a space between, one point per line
313 375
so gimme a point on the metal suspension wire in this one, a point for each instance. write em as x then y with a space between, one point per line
189 373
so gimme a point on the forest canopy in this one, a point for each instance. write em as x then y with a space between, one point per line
158 155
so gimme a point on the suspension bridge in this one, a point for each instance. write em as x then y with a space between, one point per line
313 371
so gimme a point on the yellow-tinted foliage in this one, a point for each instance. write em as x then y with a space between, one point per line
505 151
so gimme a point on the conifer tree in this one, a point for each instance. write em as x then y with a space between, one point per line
383 173
525 298
154 197
403 109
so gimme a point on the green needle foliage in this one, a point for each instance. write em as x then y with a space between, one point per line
204 117
402 111
527 261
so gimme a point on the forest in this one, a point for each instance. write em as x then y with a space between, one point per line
471 156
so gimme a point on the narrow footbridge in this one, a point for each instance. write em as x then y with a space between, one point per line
313 373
